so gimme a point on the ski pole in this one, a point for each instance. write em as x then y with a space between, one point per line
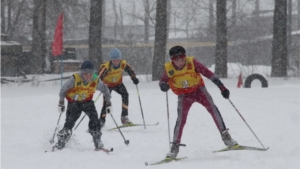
57 126
140 105
246 123
85 114
125 141
168 119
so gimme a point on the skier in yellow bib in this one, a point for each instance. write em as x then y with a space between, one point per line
111 74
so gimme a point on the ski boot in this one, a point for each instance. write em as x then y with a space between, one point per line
228 141
125 120
97 139
174 151
63 137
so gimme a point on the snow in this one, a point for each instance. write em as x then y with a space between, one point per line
29 116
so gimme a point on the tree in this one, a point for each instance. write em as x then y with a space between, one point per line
279 44
2 16
221 42
38 48
160 40
95 29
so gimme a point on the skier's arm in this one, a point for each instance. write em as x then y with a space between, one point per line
210 75
163 82
104 89
102 72
131 73
69 84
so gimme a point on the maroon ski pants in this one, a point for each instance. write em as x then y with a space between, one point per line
185 102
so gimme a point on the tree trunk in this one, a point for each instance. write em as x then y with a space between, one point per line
2 16
116 19
160 40
221 42
279 44
95 29
233 13
298 20
14 25
38 48
147 18
9 15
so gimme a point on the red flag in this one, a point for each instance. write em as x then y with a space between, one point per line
240 81
57 45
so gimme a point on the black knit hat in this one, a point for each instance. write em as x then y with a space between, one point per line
176 51
87 67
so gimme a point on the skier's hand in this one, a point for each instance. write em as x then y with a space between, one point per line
61 106
108 107
135 80
225 92
164 87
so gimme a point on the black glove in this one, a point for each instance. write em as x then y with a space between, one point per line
61 106
225 92
164 87
135 80
108 107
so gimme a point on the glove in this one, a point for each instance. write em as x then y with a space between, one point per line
135 80
61 106
225 92
108 107
164 87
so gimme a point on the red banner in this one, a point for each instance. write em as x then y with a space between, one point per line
57 45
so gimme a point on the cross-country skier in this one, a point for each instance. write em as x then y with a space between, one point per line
183 76
79 91
111 74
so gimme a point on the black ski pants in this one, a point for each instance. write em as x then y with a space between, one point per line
121 90
74 110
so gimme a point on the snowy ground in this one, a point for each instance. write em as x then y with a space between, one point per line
29 116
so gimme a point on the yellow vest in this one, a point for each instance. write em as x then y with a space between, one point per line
186 80
113 76
82 92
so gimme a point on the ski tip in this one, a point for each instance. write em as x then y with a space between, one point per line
146 163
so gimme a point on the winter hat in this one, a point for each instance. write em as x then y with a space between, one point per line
87 67
176 51
115 53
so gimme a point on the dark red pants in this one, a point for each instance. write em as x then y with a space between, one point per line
185 102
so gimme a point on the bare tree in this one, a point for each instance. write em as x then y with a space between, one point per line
95 45
279 44
221 42
116 18
298 9
9 6
233 12
14 25
146 20
2 16
38 37
160 40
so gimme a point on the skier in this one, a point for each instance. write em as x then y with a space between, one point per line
183 76
79 91
111 74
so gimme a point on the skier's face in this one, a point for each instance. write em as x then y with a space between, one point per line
115 62
87 77
179 62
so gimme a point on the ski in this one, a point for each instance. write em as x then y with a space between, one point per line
241 147
105 150
100 149
133 125
166 160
